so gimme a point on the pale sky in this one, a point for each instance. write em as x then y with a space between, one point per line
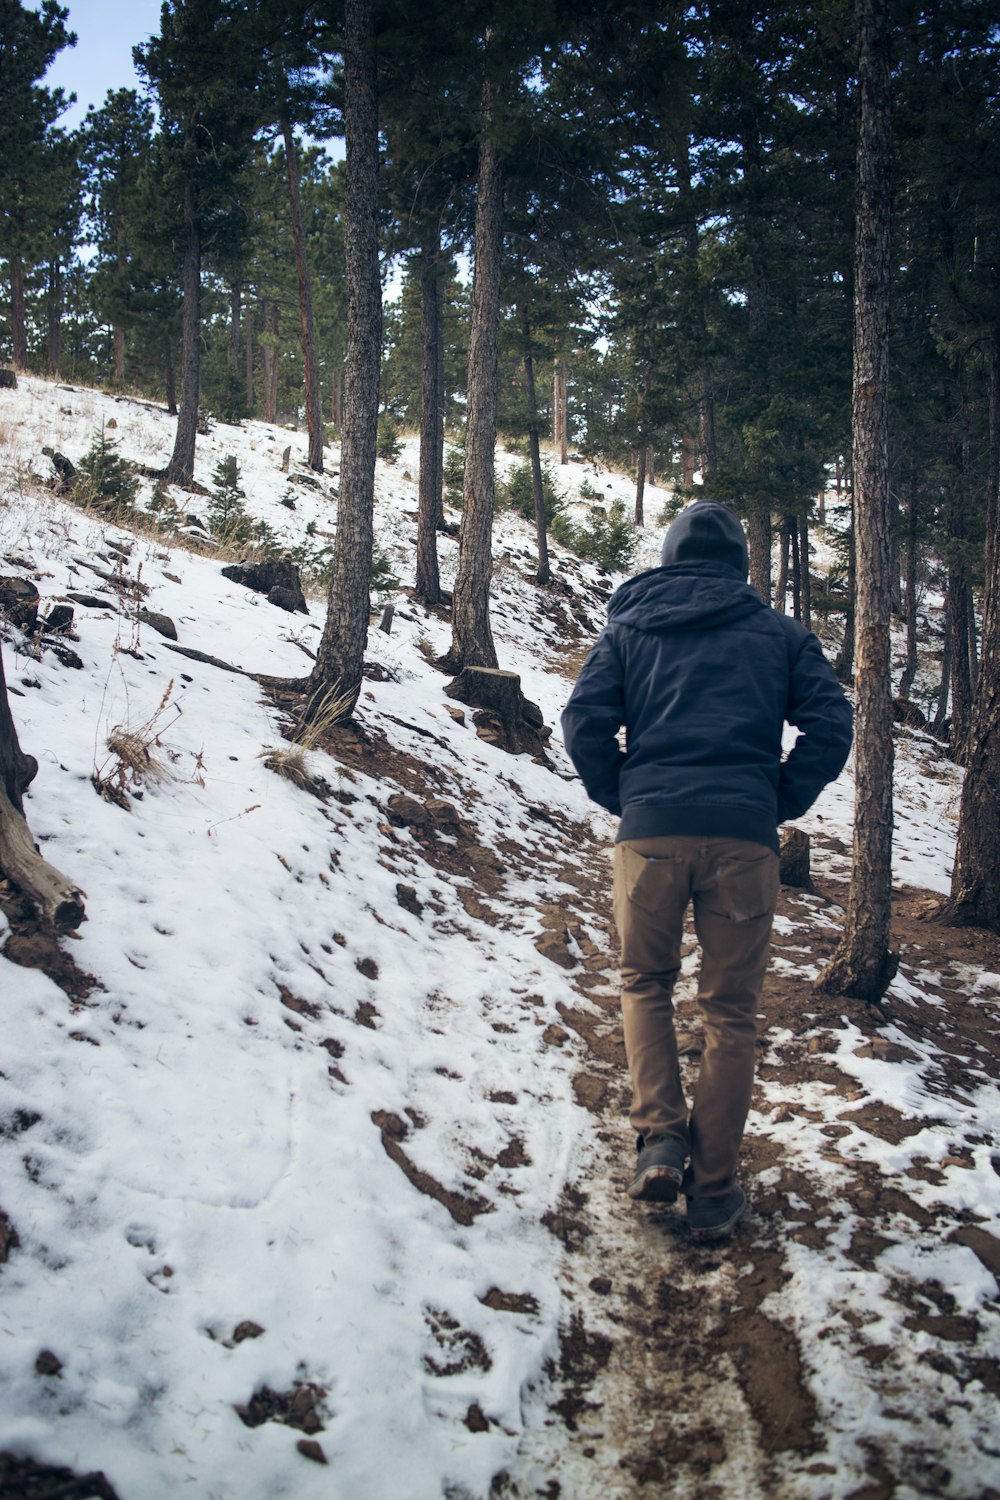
106 30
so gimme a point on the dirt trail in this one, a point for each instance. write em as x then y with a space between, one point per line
676 1374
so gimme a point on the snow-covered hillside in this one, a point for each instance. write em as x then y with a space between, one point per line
283 1181
191 1148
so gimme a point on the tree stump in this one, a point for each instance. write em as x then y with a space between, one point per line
19 602
795 859
8 380
505 717
57 898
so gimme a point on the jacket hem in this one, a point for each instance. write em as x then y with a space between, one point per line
650 820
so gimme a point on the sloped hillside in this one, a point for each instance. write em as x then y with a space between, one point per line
313 1137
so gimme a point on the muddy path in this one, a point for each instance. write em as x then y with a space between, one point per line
706 1371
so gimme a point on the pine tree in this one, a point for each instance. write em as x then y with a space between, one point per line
340 659
29 40
862 964
115 147
202 69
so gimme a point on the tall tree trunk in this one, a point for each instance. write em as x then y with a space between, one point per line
689 461
796 565
940 722
781 587
340 659
248 353
706 424
862 964
543 572
314 408
53 316
118 333
910 569
235 317
180 469
18 327
472 639
958 605
844 665
337 400
806 579
269 359
640 486
429 502
975 890
169 379
759 547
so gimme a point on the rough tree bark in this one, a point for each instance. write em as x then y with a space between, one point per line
543 572
759 547
640 486
862 965
806 577
340 659
53 316
235 319
314 410
18 330
975 889
910 567
180 469
844 665
472 639
56 897
431 476
781 585
248 353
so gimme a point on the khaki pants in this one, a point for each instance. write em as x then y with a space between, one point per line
733 887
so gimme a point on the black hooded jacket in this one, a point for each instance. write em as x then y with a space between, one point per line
703 676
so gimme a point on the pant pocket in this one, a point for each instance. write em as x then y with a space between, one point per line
651 882
744 887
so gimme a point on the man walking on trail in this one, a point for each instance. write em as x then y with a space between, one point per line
702 675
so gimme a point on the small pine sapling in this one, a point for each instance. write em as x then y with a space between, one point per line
104 479
227 514
387 444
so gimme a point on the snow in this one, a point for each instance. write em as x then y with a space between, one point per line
197 1144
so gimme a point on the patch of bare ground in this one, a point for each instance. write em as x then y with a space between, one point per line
23 1479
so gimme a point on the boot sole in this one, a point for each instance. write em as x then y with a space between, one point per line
656 1185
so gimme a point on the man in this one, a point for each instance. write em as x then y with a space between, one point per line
702 675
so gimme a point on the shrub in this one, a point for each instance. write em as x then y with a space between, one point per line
227 514
383 579
454 472
104 479
517 492
387 444
609 540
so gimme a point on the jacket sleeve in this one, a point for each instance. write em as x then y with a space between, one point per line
591 720
819 709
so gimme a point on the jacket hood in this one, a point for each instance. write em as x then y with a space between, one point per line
688 596
707 532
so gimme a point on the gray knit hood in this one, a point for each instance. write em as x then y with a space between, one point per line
707 532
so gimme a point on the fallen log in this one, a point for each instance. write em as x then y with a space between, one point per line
57 897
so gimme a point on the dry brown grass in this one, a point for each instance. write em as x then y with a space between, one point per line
131 762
